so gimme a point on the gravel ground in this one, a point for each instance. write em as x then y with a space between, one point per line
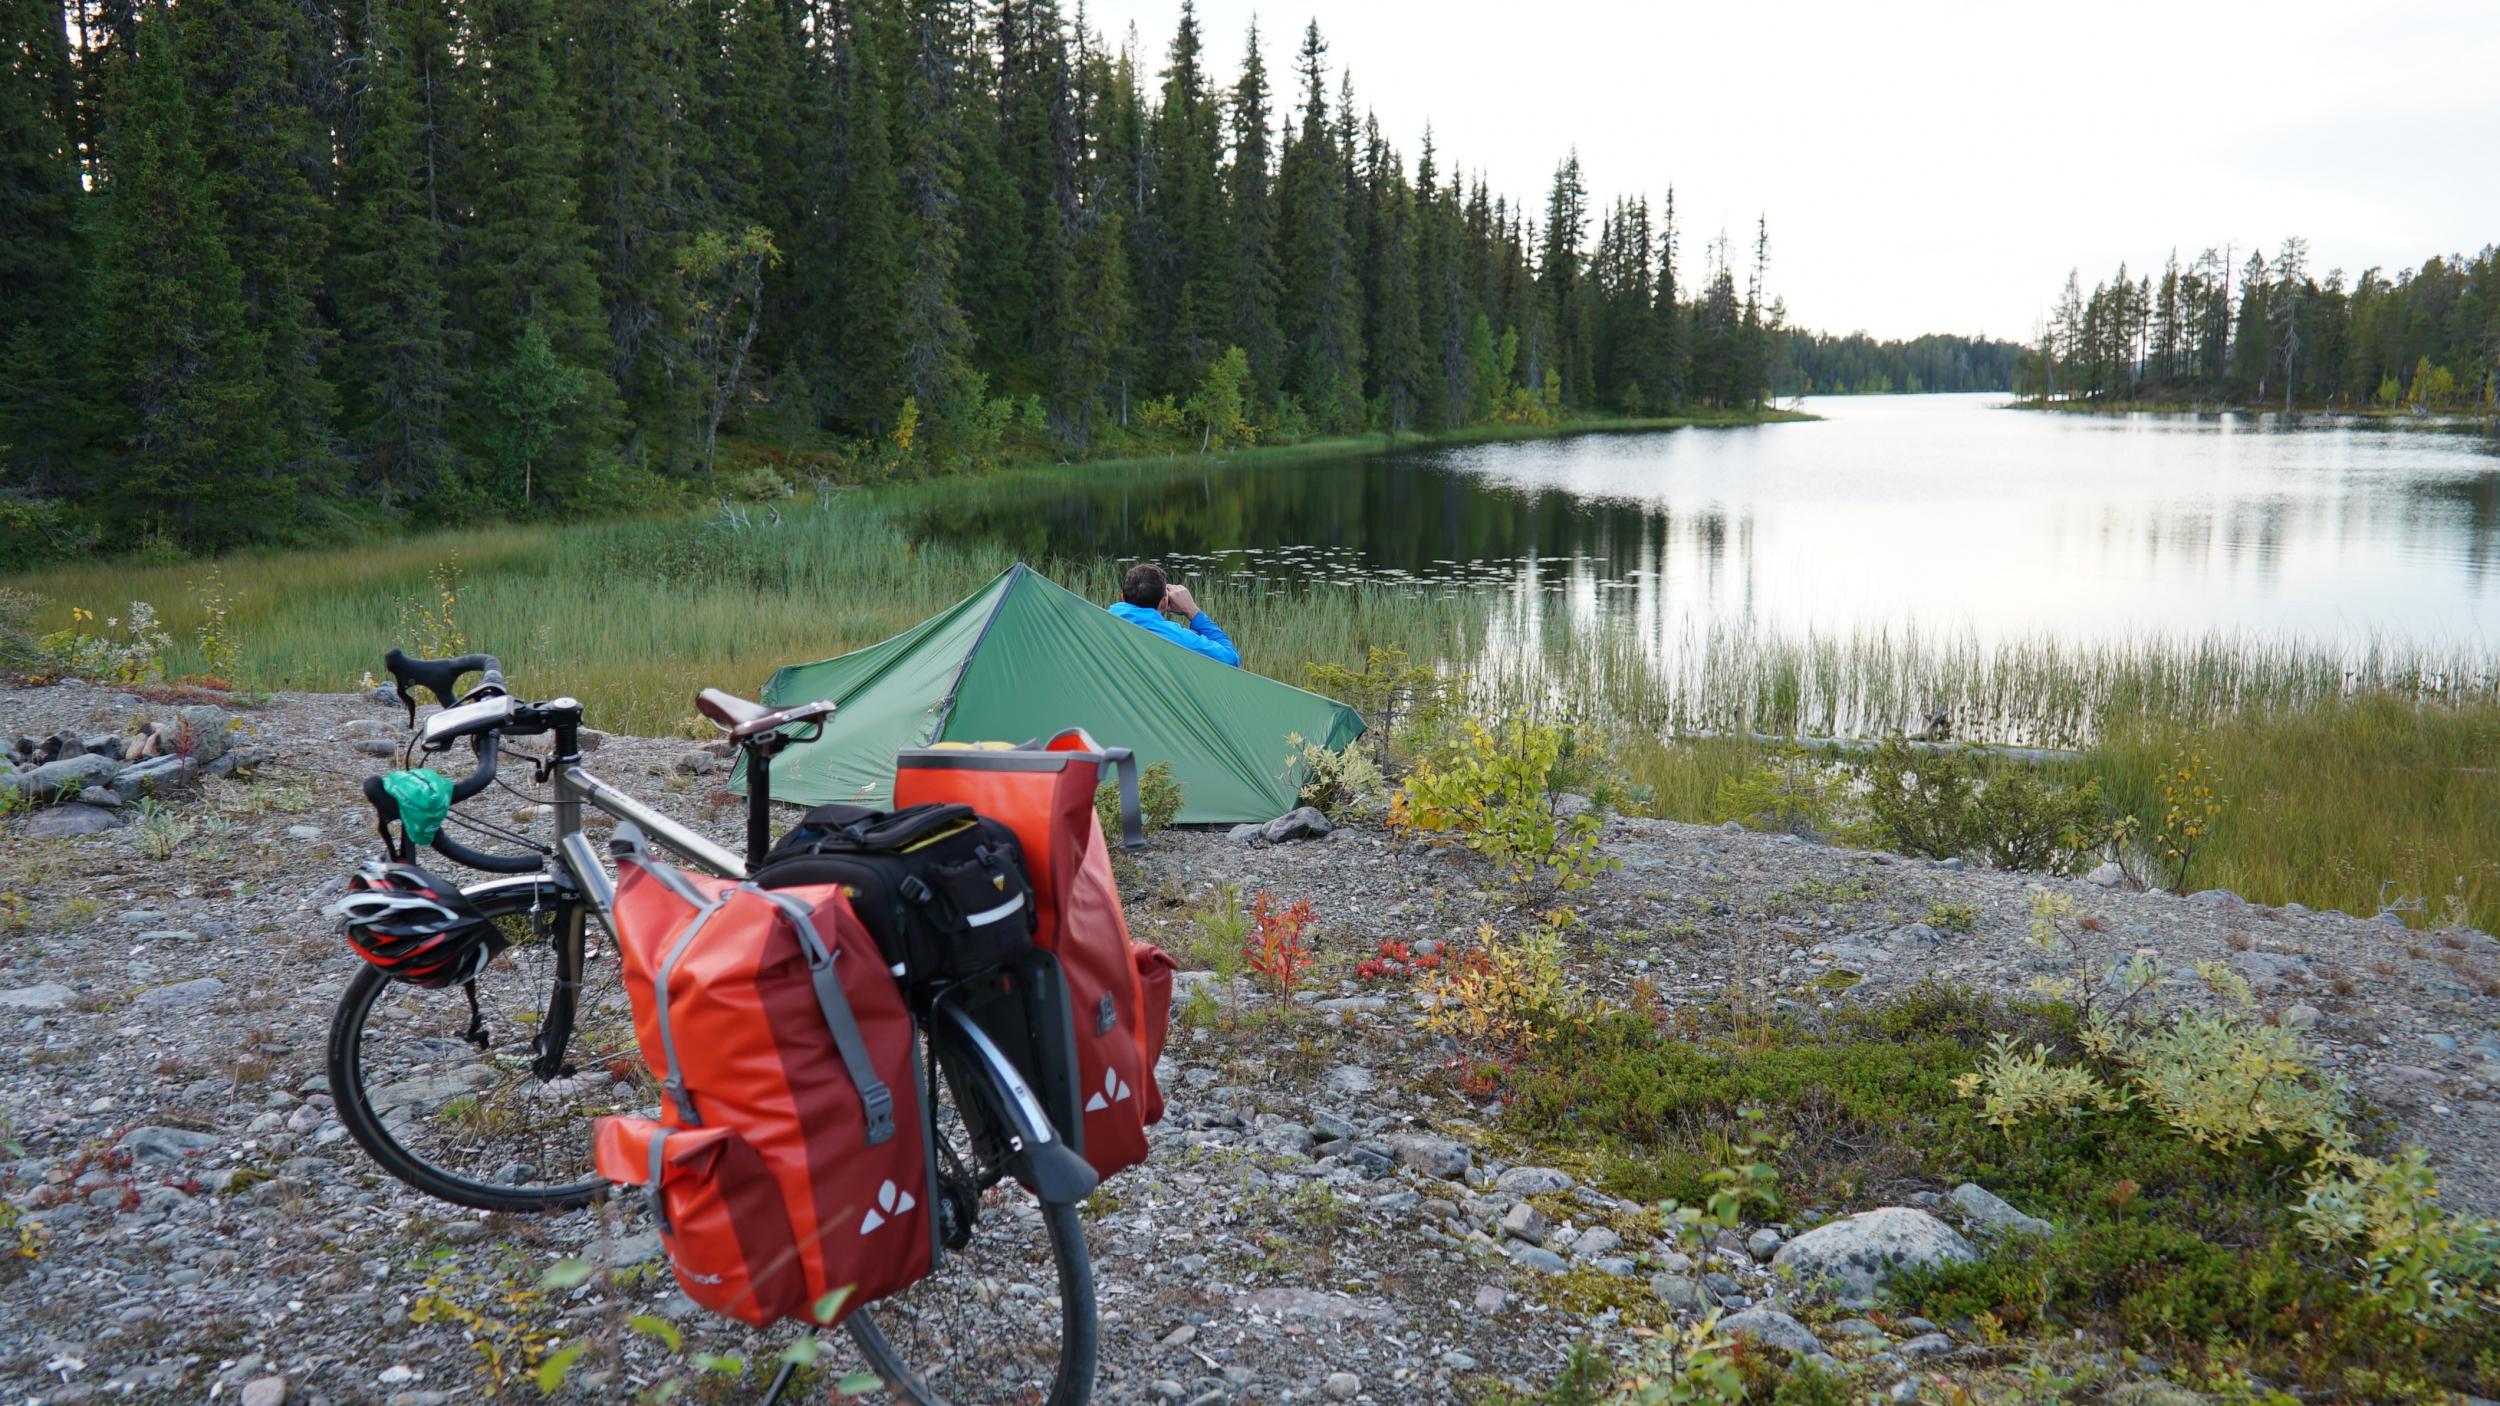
1320 1221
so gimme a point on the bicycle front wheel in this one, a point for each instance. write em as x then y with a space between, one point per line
1007 1318
445 1094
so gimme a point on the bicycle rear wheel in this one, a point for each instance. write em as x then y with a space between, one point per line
444 1096
1007 1317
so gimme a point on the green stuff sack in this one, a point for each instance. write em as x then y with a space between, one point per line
424 798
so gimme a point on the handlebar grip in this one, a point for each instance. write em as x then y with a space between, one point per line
440 677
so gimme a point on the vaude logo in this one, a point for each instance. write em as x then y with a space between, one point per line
891 1201
685 1273
1111 1092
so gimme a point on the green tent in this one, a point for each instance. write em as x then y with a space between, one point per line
1022 658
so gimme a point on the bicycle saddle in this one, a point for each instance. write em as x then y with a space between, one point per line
743 718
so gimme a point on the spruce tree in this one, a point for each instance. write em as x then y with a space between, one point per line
1252 278
528 286
1395 334
395 356
624 56
1321 309
934 337
262 148
40 253
1180 293
194 451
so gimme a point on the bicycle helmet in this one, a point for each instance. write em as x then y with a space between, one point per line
414 926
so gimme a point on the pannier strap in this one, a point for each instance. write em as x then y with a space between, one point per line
1078 741
659 1170
676 1081
874 1096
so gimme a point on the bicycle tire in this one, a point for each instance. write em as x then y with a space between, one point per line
968 1279
477 1085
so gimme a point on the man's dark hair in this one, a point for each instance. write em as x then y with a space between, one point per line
1144 585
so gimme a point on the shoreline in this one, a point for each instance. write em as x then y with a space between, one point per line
2375 415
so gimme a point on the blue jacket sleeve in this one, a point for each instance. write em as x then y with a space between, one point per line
1211 641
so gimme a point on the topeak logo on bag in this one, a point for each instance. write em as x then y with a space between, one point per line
891 1201
1111 1092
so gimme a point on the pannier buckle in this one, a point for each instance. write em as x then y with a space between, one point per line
915 889
879 1102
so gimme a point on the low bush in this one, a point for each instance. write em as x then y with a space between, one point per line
1160 796
1497 790
1786 792
1939 804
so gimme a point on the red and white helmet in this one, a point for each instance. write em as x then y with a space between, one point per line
414 926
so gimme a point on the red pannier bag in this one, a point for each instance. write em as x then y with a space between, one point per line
788 1169
1119 992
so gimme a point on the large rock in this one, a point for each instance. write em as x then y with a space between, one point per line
1298 824
71 774
210 731
1768 1327
1854 1255
64 822
1985 1210
2106 874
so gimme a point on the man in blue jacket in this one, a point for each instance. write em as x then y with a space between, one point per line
1146 599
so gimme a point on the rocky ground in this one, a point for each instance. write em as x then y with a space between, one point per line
1325 1218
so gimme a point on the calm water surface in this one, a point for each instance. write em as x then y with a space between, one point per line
1942 512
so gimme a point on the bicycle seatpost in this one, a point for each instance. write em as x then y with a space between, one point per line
760 750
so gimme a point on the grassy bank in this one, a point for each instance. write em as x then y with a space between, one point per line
2354 775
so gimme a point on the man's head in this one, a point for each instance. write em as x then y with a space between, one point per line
1144 586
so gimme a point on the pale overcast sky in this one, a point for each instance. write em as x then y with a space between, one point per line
1940 166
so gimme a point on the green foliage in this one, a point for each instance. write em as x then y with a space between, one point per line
1787 792
1946 916
1690 1364
1216 406
1389 690
127 648
1342 783
1503 995
1940 803
1496 791
2407 1254
1160 796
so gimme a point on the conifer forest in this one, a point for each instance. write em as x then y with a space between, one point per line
274 269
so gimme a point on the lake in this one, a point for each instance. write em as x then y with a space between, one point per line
1947 514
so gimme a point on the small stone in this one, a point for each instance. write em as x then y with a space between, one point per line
45 996
1539 1258
1458 1361
1432 1156
71 774
1677 1291
1902 1392
264 1391
1181 1336
2215 898
2301 1017
694 764
1350 1080
397 1373
1984 1210
1859 1330
592 739
1532 1181
2106 875
1524 1222
1342 1386
1245 834
303 832
1954 864
1768 1327
1596 1242
374 746
1924 1346
1490 1298
1763 1243
151 1143
182 995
